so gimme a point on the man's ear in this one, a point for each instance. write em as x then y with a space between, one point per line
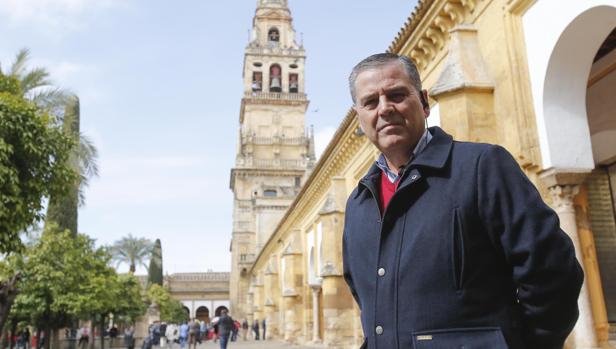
424 102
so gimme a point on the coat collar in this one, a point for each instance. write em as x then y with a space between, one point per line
435 156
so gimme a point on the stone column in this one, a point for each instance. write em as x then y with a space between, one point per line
258 309
270 307
337 301
249 306
315 285
291 284
563 187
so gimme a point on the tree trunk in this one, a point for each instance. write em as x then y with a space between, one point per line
38 338
92 326
13 330
55 337
47 337
8 292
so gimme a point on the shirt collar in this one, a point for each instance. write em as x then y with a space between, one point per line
381 162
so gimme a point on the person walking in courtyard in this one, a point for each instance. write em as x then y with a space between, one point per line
129 339
263 325
225 326
84 336
449 236
244 329
193 331
183 334
255 329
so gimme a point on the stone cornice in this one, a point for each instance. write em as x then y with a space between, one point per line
289 102
426 31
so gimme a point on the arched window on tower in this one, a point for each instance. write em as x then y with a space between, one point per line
293 84
273 35
257 81
275 81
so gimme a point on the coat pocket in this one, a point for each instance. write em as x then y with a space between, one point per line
457 249
466 338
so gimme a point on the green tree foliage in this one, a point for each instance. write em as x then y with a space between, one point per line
33 163
65 277
155 271
130 304
132 251
171 310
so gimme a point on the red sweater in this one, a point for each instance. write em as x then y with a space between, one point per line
387 191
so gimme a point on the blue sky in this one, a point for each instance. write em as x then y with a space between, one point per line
160 84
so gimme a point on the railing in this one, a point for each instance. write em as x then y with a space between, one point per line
208 276
274 49
275 95
278 163
274 140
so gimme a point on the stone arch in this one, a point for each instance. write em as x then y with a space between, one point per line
203 314
220 309
187 311
562 121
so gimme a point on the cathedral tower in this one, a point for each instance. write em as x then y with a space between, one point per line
274 149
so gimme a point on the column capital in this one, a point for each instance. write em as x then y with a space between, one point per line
315 284
562 196
559 176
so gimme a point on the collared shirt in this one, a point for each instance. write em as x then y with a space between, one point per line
381 162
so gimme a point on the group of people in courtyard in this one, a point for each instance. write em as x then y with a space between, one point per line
222 329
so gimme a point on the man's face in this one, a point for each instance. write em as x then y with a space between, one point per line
389 108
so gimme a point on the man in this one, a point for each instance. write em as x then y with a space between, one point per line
113 334
447 244
264 326
225 326
255 329
244 328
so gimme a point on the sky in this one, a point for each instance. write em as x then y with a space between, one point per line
160 85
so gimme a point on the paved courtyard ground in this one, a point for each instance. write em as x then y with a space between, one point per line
249 344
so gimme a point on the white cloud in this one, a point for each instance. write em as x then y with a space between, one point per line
322 138
53 17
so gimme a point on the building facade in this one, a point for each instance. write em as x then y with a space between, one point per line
203 295
536 76
274 148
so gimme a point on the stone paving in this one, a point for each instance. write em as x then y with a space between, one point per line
249 344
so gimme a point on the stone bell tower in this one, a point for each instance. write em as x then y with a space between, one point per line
274 149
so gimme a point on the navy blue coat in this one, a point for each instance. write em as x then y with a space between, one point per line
467 254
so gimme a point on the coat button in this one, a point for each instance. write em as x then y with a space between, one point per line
379 330
381 271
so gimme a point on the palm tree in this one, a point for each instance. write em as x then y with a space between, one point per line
35 85
132 251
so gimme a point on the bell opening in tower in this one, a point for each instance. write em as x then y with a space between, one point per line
273 35
275 81
257 81
293 84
